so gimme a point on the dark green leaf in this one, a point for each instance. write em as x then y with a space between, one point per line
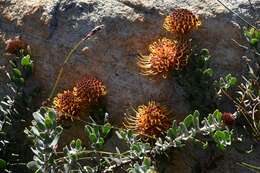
93 138
106 129
188 121
254 41
2 164
208 72
17 73
78 144
147 162
217 114
48 122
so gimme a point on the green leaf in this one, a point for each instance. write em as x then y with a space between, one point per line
188 121
217 114
174 131
204 52
38 117
101 141
52 115
247 34
119 135
26 60
54 141
93 137
222 138
208 72
196 113
231 80
12 64
257 34
205 145
35 131
254 41
2 164
21 80
87 130
78 144
33 165
106 129
17 73
251 32
48 122
59 130
147 161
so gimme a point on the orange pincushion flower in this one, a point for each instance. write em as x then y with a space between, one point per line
67 105
181 21
89 89
165 55
150 120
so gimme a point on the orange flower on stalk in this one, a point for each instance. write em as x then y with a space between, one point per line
165 55
150 120
181 21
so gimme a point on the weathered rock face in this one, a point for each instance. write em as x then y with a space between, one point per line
52 27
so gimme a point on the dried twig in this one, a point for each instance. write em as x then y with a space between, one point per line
241 18
90 34
245 47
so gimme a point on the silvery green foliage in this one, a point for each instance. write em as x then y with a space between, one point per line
136 159
13 106
97 134
145 167
73 154
21 68
211 125
7 110
45 134
176 136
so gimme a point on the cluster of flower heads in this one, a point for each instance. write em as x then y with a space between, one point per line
167 54
150 120
86 92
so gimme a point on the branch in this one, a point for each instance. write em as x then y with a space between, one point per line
241 18
88 35
156 150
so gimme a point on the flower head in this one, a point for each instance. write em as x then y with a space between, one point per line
89 89
14 45
181 21
165 55
150 120
67 105
228 118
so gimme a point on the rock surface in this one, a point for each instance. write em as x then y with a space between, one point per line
53 27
